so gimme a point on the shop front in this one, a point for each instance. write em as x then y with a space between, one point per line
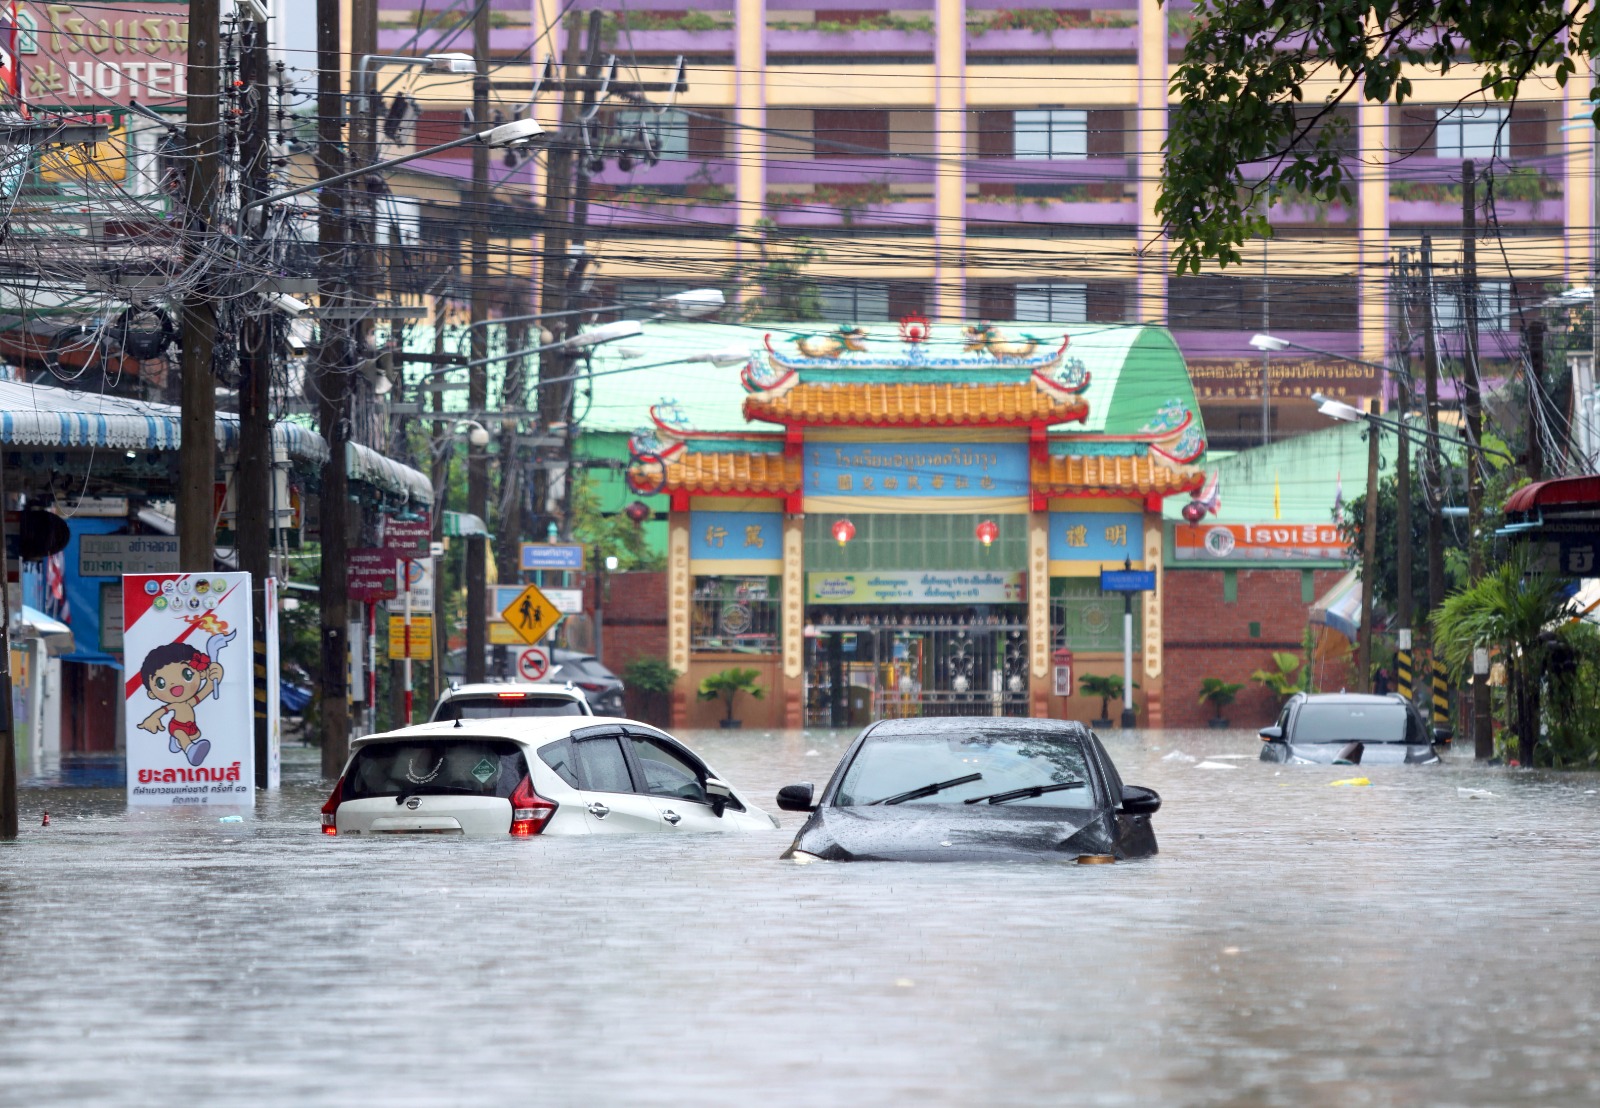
921 527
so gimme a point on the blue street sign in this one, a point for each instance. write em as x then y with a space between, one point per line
552 555
1127 580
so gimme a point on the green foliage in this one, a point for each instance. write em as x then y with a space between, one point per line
875 21
788 292
1247 65
1507 610
1285 679
1218 693
1522 183
614 534
1572 715
1107 687
1386 551
650 674
728 684
1042 21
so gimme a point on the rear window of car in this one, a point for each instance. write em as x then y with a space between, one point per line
504 707
1335 723
436 766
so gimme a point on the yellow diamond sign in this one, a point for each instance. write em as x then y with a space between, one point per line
531 615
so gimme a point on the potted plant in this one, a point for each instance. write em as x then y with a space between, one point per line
728 685
1285 679
650 679
1107 688
1219 694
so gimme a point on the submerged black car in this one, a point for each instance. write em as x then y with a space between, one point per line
973 789
1352 729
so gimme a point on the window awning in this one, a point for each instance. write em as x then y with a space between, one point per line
46 416
1573 494
463 525
365 464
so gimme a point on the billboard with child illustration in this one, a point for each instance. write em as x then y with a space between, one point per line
187 682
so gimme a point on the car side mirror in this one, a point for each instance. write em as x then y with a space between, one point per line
1273 734
1140 801
796 798
1443 735
718 793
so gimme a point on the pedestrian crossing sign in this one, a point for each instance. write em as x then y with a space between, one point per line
530 615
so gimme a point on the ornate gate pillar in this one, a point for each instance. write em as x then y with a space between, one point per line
1039 658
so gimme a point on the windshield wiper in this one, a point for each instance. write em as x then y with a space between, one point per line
929 790
1018 794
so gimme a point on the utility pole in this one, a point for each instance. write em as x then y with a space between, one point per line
197 452
1405 670
1369 552
1482 729
478 374
1433 483
8 725
253 476
332 377
361 224
1535 376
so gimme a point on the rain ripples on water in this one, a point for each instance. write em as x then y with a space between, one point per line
1403 942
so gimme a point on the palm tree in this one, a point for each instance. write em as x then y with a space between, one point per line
1507 609
1106 687
1218 693
728 684
1286 679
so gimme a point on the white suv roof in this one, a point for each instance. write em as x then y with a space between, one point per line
513 690
534 730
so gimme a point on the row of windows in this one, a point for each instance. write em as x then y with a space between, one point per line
1459 132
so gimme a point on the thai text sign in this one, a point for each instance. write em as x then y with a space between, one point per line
1096 536
1240 378
115 555
552 555
408 538
917 469
372 575
727 536
103 55
917 587
1257 541
189 689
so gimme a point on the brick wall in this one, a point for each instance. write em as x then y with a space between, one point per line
635 617
1206 636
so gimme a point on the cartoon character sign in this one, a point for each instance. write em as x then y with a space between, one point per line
189 688
178 677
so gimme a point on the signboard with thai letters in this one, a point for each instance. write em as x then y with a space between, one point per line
104 54
116 555
1198 542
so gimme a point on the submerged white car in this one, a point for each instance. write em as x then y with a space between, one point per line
553 775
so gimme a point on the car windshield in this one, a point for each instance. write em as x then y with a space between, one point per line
996 761
1342 723
463 767
511 704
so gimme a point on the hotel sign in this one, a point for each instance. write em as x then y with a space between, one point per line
102 55
917 587
917 469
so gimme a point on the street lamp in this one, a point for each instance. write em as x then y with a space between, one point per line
453 62
1349 413
689 304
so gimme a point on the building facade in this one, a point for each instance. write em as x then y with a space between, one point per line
1001 159
916 517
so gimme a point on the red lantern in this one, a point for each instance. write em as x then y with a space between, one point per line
1194 511
988 531
638 511
843 531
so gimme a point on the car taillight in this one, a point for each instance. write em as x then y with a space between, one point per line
331 809
511 695
590 686
529 811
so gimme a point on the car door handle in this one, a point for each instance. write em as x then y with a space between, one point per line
670 816
599 811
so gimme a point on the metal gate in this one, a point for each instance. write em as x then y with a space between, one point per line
898 666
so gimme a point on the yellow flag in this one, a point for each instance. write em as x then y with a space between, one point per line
1277 498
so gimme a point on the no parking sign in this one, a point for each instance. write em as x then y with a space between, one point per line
533 664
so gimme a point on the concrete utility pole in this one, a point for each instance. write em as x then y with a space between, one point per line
1433 482
8 726
1405 669
332 377
197 452
1482 728
1369 552
478 374
1535 375
252 480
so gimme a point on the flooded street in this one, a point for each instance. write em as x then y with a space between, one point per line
1293 944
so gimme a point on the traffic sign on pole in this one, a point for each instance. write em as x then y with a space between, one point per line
533 664
530 614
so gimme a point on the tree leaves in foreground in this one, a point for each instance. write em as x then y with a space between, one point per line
1242 119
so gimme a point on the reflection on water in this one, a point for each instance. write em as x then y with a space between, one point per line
1294 944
